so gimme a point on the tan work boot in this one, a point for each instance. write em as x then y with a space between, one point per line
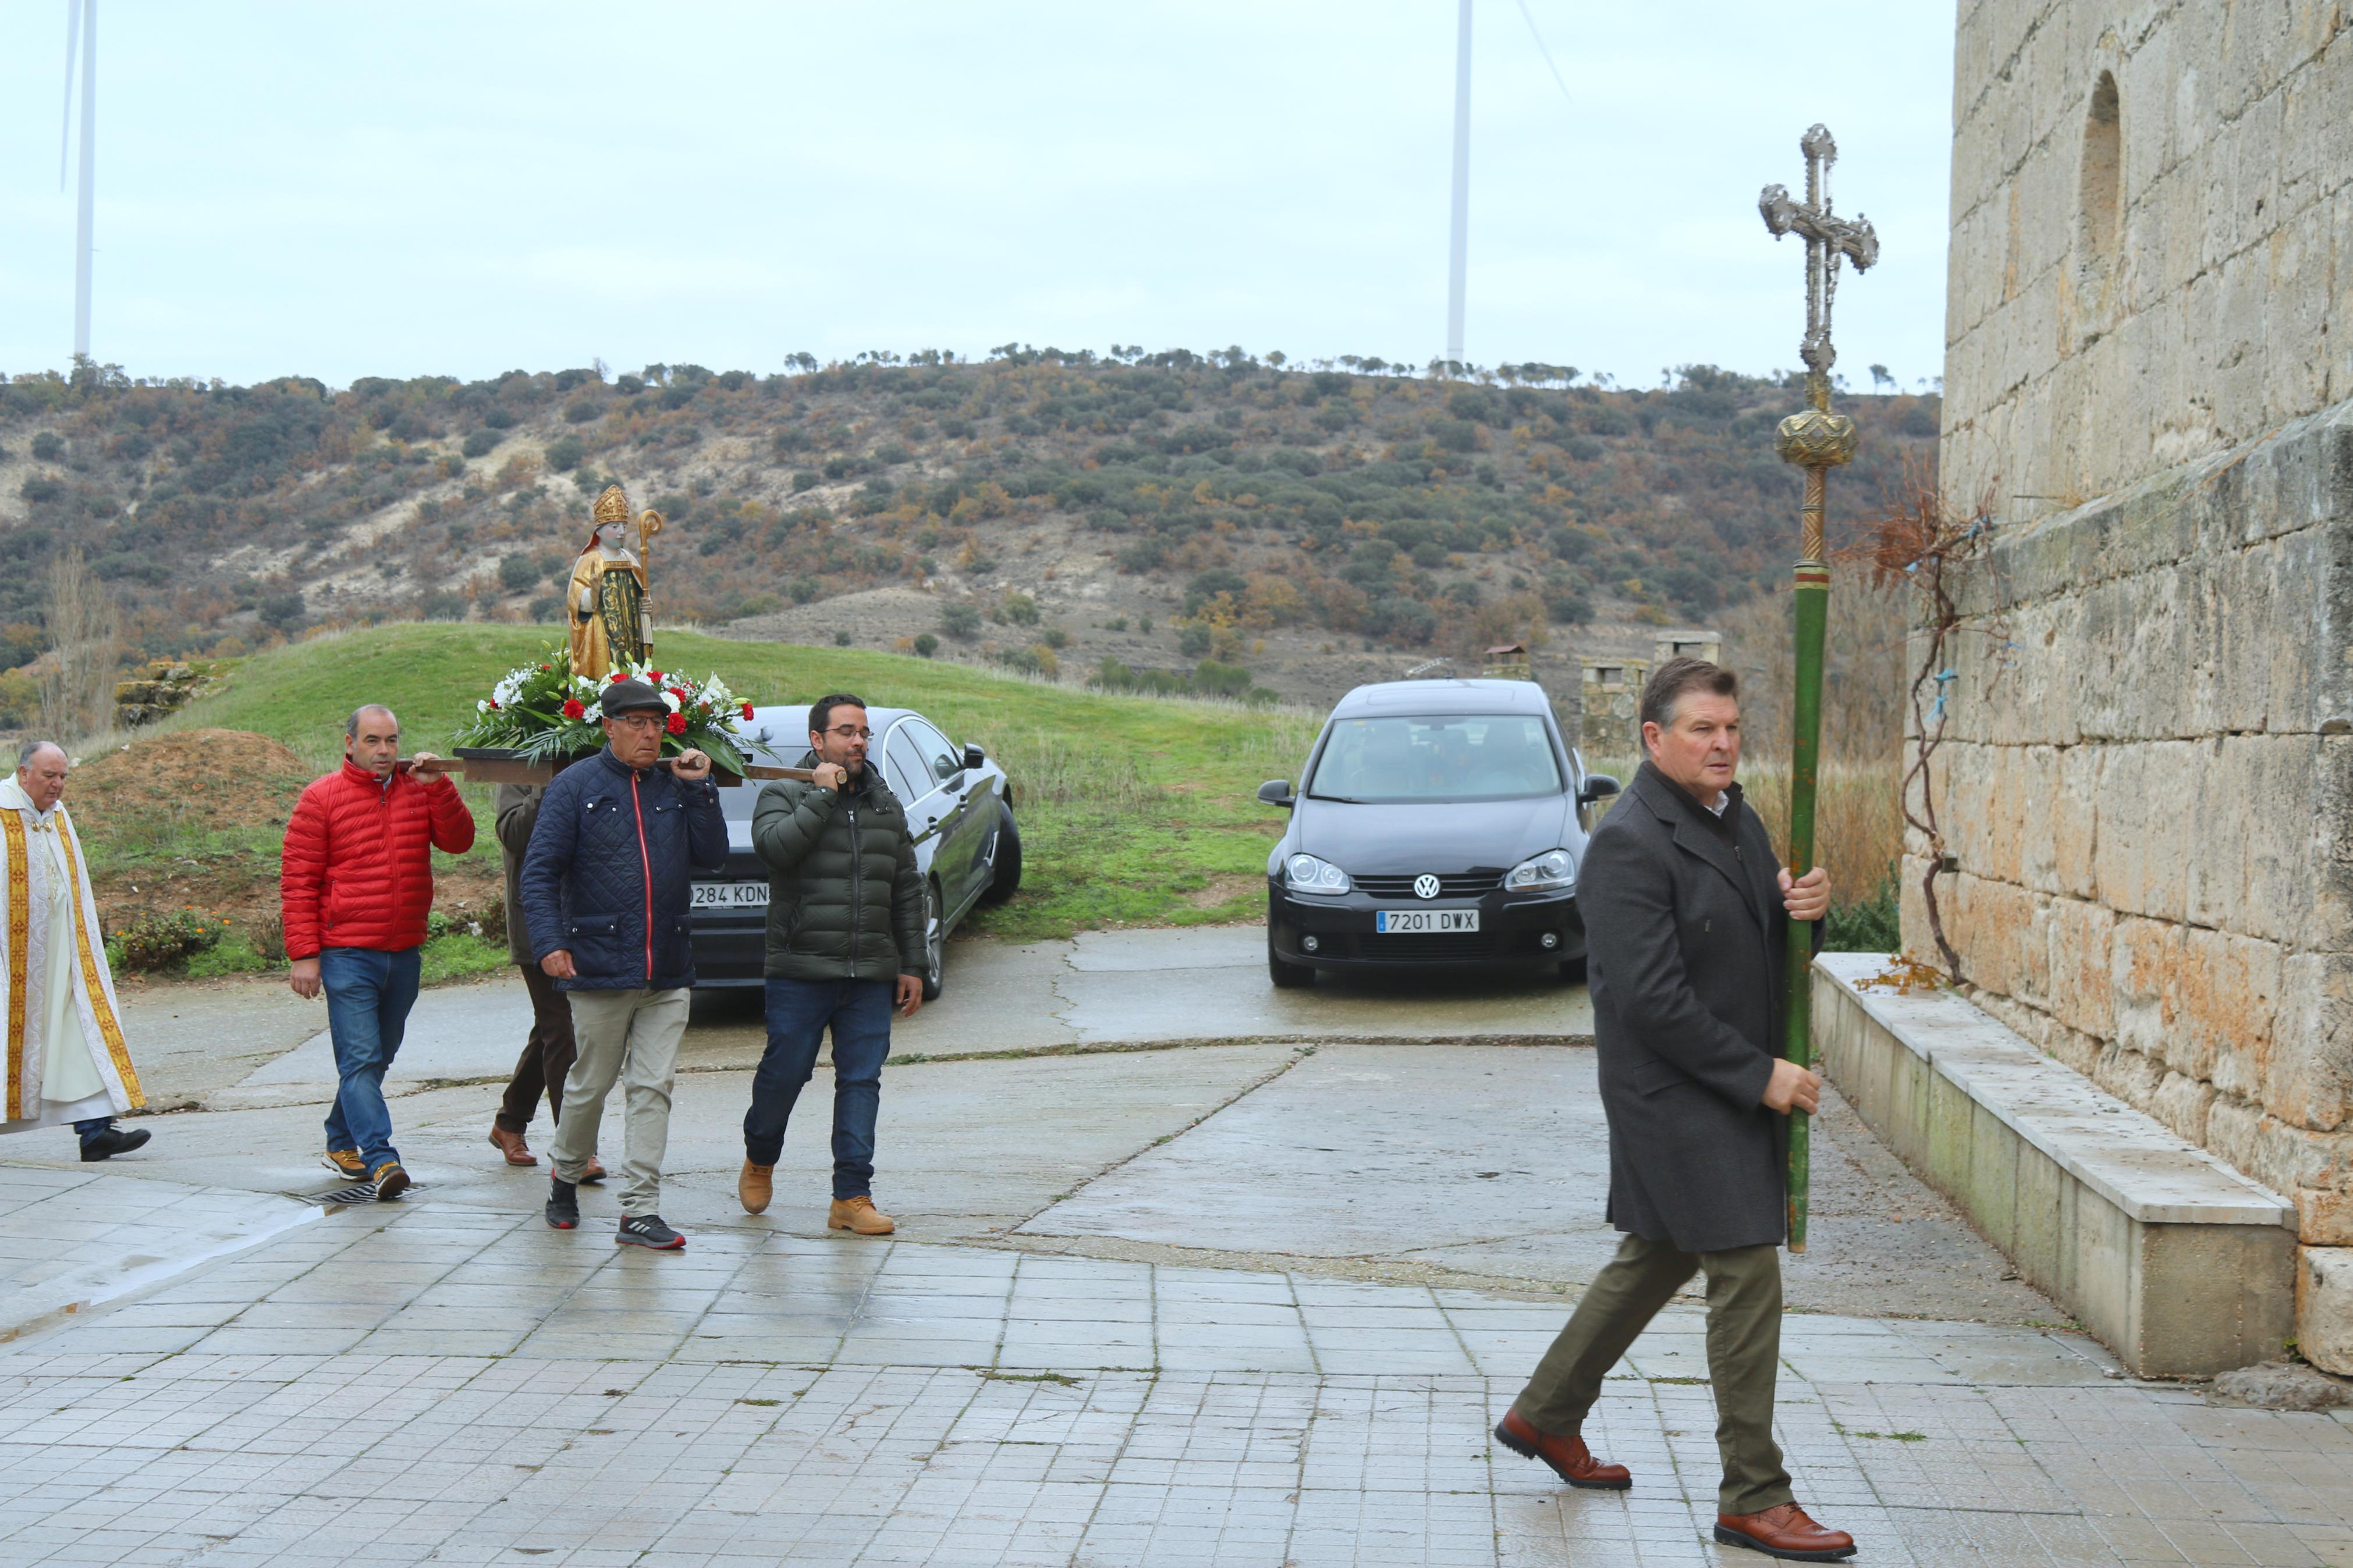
861 1215
756 1186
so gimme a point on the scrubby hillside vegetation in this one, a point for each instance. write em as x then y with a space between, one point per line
1206 503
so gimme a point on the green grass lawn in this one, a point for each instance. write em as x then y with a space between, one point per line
1134 811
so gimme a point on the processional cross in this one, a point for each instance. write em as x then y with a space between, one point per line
1818 441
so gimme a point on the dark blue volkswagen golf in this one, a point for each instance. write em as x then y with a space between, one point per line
1440 822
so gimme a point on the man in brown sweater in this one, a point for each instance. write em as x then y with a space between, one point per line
548 1050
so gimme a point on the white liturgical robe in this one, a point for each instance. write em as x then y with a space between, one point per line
65 1056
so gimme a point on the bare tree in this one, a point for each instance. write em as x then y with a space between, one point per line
78 684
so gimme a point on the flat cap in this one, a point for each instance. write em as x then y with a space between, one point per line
632 697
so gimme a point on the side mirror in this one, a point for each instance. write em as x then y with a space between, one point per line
973 756
1598 786
1277 792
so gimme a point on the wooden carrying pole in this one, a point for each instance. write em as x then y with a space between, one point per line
1817 440
502 771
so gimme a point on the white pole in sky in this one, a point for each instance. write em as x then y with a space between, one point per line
85 12
1459 244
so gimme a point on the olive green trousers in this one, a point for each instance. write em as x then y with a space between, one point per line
1743 1354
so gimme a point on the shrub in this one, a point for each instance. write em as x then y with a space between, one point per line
960 620
41 488
581 410
1193 641
281 612
1401 619
842 639
803 480
49 447
926 644
1055 637
500 419
565 455
156 942
517 572
1018 610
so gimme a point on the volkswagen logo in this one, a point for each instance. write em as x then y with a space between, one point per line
1425 886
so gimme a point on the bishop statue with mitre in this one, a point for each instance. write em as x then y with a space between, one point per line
67 1060
607 595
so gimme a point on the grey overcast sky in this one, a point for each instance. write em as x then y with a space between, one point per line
338 191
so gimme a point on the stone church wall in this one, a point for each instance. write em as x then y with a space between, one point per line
2149 782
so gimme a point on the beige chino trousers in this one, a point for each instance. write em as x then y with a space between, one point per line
631 1035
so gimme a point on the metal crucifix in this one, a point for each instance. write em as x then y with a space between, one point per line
1818 441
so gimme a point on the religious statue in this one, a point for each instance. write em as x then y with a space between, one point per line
606 596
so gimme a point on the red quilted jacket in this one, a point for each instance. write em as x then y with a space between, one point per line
358 866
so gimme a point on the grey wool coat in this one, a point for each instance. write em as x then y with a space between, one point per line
1687 943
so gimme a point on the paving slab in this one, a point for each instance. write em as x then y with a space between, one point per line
964 1147
1494 1160
374 1389
1102 990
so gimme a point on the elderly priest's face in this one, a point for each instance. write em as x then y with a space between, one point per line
43 777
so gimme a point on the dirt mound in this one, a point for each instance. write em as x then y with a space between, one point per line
237 779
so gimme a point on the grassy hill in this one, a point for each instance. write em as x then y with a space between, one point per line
1319 525
1133 810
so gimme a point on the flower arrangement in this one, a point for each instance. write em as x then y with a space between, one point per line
544 711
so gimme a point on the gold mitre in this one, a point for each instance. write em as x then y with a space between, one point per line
613 505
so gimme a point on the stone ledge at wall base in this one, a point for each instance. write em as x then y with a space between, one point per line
2180 1265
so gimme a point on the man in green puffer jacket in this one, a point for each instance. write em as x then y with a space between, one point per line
846 931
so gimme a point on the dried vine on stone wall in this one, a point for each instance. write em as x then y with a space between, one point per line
1931 549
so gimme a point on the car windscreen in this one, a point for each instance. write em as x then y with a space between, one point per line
1445 756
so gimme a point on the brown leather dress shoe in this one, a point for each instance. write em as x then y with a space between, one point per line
592 1172
860 1216
1785 1532
754 1185
512 1145
1570 1459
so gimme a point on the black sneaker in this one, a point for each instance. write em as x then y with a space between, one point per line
113 1141
647 1230
562 1205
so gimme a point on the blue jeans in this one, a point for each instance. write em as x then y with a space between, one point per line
368 997
799 1011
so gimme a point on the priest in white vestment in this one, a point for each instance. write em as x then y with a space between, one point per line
66 1063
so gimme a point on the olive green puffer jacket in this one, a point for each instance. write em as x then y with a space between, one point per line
845 899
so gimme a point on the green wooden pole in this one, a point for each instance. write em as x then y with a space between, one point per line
1811 595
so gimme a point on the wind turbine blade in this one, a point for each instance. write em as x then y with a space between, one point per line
1529 17
65 123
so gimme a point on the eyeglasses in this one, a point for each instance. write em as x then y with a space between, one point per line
851 733
638 720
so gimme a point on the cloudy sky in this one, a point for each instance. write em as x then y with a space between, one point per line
340 191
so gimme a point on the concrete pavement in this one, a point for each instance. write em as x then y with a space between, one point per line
1153 1300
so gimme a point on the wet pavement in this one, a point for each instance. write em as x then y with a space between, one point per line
1244 1279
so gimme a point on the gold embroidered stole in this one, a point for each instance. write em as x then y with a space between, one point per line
109 1027
20 938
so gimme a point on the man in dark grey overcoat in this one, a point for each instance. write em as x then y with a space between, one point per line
1687 917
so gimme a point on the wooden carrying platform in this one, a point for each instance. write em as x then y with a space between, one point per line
486 764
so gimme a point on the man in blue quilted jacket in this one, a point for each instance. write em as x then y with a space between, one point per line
604 892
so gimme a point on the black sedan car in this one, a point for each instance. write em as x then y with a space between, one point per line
1441 822
959 803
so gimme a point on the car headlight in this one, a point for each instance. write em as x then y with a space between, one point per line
1551 872
1306 874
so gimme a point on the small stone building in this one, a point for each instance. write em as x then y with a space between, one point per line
1610 699
2149 385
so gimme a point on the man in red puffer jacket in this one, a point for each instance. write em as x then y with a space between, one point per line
355 884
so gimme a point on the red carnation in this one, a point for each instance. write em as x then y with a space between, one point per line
494 704
654 675
677 725
747 710
573 709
